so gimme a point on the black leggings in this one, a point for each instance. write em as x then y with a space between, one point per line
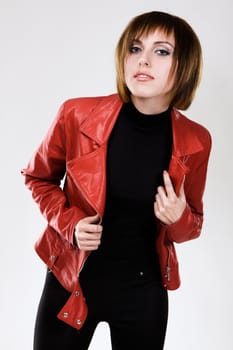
135 305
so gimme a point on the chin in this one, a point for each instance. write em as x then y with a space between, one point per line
143 96
143 92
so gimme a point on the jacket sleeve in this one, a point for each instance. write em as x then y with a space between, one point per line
189 225
43 177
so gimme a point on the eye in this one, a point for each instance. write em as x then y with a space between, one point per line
162 52
134 49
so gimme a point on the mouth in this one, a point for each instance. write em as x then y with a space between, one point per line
143 76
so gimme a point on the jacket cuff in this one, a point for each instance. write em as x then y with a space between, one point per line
183 229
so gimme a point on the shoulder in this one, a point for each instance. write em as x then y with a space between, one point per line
87 104
76 112
192 128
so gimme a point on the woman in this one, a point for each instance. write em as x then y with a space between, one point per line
135 171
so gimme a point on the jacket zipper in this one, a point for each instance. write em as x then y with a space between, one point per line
92 206
84 260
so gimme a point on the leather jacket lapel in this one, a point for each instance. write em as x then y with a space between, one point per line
177 170
88 173
185 143
98 125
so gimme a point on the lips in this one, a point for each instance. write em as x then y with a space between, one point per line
140 76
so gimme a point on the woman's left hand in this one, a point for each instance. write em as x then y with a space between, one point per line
168 207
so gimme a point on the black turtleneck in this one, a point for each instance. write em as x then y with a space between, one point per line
139 149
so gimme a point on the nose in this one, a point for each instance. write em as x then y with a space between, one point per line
143 61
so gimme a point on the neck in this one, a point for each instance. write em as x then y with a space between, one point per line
149 106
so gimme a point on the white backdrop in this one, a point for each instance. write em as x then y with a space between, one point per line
52 50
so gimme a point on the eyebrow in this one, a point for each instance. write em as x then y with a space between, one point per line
137 41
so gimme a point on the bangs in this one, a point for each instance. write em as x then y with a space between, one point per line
146 25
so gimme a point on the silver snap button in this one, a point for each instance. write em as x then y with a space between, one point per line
65 315
79 322
77 293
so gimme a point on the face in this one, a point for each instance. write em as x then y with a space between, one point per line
147 69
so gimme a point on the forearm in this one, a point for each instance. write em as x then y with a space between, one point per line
186 228
54 205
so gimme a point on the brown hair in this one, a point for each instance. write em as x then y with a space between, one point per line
187 61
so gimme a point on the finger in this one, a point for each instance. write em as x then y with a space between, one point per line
181 192
91 228
161 194
89 224
159 202
88 245
168 184
159 214
88 236
157 210
89 248
86 241
92 219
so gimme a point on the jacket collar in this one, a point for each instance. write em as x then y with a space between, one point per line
185 141
100 121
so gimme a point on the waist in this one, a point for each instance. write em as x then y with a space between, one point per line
99 264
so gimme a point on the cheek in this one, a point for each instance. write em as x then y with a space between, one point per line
127 69
171 76
168 74
127 65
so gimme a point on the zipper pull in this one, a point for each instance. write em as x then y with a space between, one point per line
168 275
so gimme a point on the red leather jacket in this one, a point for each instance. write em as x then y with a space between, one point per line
75 147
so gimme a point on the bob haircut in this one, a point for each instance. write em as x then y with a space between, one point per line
187 57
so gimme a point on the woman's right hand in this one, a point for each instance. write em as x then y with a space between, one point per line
88 233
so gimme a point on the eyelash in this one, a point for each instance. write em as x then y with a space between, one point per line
160 52
163 52
134 49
